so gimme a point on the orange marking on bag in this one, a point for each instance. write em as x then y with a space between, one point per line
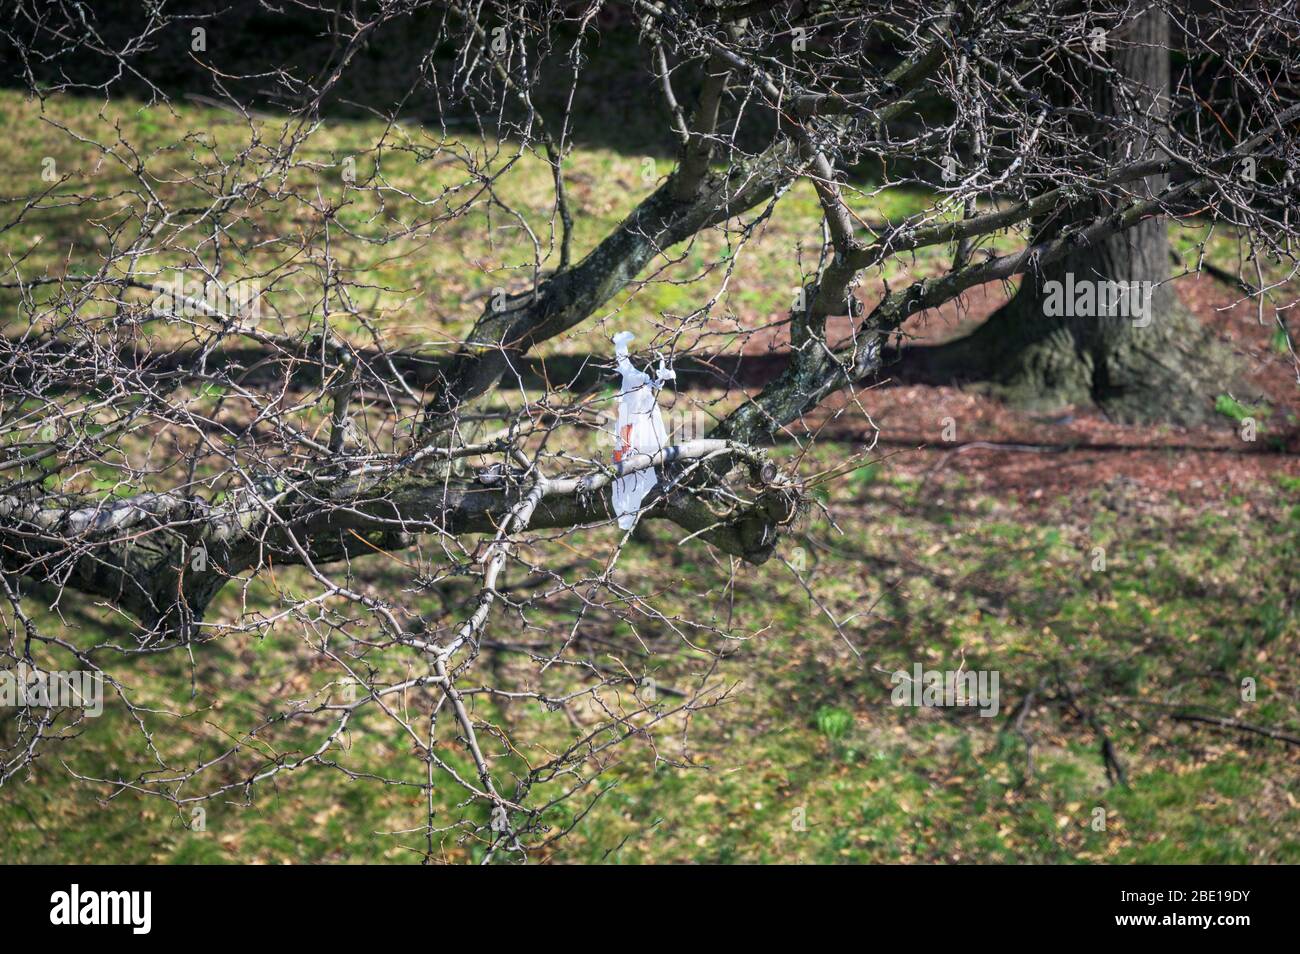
625 443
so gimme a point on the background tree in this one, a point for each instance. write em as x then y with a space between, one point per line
1164 366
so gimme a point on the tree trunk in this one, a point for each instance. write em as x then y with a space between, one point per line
1145 357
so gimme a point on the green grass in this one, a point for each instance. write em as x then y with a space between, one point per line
810 761
1234 410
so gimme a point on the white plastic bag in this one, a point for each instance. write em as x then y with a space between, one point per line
640 430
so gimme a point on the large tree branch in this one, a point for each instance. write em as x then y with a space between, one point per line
163 557
507 330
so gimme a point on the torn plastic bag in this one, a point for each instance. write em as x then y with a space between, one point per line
640 430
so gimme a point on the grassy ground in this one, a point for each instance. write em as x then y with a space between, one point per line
1190 603
414 289
807 759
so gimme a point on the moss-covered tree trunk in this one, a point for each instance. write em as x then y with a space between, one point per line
1146 359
